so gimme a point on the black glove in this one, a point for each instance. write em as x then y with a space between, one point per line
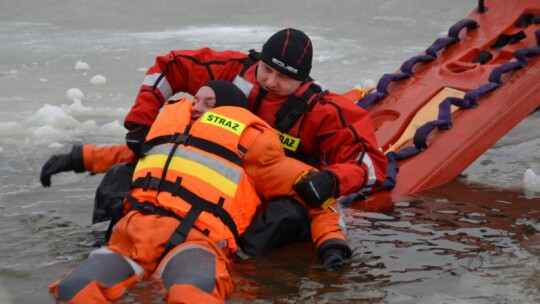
333 253
333 259
135 139
317 188
62 162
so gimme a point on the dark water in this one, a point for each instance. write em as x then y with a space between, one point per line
472 241
438 248
456 244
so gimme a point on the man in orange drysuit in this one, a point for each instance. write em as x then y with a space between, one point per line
194 192
316 126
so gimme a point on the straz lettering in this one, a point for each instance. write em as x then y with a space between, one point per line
288 142
283 65
223 122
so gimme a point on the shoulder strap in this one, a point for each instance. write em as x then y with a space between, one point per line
296 106
253 57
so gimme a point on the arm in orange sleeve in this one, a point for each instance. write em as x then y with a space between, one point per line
329 236
274 174
98 159
325 225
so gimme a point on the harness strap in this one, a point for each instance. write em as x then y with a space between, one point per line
149 208
167 163
260 96
197 142
193 199
186 223
253 57
296 106
181 232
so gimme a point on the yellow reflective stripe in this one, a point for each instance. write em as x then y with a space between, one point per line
223 177
287 141
187 166
222 183
223 122
154 161
219 166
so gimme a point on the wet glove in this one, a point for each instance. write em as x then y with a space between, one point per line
333 259
333 253
62 162
317 189
135 139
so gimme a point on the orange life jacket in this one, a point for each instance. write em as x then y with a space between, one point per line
195 171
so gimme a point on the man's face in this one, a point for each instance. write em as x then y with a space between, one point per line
205 100
276 82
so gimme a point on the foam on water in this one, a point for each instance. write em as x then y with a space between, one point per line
531 184
98 80
81 65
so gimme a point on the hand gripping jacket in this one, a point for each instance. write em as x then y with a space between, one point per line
185 174
330 129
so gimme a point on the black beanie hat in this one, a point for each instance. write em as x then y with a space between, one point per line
227 94
289 51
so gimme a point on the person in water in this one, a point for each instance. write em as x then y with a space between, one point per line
195 190
319 127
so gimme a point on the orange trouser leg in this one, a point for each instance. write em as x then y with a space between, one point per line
102 278
195 272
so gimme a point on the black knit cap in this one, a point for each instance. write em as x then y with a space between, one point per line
290 52
227 94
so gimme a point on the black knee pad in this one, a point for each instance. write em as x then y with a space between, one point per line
190 266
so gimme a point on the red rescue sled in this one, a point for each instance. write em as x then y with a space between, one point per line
455 100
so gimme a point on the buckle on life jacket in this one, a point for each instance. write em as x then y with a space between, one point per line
219 207
148 182
147 208
175 189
